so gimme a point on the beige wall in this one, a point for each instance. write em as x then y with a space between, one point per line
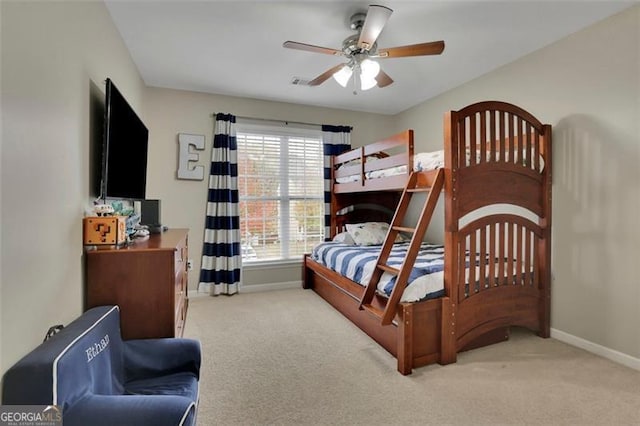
170 112
588 87
55 57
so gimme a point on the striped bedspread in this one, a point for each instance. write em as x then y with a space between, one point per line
357 264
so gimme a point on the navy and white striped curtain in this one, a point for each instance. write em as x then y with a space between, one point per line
335 140
221 256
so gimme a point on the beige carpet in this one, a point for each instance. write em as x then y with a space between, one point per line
288 358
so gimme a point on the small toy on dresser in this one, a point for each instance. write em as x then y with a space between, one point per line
103 209
140 231
101 227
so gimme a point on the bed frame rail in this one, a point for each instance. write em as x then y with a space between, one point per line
396 150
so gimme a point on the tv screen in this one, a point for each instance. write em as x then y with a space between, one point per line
124 168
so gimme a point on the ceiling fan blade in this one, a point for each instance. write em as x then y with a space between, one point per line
431 48
325 75
312 48
383 79
377 17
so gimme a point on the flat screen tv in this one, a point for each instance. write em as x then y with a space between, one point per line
124 150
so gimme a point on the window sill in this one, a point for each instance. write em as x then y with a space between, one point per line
270 264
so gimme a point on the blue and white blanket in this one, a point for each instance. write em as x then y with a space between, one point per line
357 263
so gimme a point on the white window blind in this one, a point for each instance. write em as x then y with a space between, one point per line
280 180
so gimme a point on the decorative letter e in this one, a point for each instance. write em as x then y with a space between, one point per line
185 140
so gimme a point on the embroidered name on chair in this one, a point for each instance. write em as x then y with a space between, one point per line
94 350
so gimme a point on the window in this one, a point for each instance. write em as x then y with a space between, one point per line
280 180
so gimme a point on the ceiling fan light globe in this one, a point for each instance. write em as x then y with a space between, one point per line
367 83
369 69
343 75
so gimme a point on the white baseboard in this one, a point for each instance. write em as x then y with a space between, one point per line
254 288
613 355
195 293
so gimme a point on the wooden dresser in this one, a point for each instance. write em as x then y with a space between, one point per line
147 279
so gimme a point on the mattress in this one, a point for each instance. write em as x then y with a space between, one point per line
422 162
357 263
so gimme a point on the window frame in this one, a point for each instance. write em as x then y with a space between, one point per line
284 198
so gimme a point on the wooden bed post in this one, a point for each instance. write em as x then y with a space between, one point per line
307 276
448 350
333 223
545 242
405 338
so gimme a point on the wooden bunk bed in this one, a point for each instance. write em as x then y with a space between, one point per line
495 155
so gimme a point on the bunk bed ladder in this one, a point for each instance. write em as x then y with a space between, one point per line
402 275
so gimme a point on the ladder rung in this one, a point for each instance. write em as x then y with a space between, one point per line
375 311
389 269
403 229
419 189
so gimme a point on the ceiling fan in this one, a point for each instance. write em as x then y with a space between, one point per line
359 49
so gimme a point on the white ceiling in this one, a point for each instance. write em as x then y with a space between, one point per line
235 47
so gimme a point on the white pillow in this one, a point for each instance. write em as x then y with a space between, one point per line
368 233
344 238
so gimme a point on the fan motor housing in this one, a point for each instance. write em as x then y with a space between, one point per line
350 46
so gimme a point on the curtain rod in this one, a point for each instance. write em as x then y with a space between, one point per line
274 120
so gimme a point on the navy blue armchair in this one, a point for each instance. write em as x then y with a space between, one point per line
98 379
